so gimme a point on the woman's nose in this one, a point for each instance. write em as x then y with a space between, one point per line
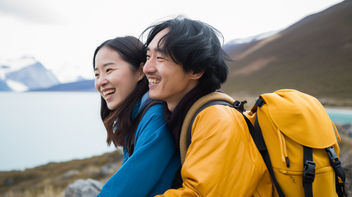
101 81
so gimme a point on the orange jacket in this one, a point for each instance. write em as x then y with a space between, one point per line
222 159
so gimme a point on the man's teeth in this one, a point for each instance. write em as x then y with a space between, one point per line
109 91
153 81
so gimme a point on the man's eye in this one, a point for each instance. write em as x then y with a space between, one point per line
160 58
96 75
108 70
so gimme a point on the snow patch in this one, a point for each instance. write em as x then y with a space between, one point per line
15 64
253 38
16 86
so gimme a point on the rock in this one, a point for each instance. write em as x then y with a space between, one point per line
348 181
83 188
71 173
348 129
107 170
347 167
344 129
9 181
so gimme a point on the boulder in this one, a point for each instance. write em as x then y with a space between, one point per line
71 173
83 188
107 170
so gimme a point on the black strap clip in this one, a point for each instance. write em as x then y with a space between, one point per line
336 164
260 102
334 160
339 173
239 105
309 172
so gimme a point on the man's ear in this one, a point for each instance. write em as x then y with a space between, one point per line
196 76
140 71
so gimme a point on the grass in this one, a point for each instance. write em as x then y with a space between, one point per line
50 179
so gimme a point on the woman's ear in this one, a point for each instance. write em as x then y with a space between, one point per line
140 73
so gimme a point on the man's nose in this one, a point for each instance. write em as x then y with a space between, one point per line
149 66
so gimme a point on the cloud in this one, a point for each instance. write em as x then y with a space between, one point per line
35 11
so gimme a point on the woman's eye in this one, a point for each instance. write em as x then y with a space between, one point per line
148 57
160 58
108 70
96 75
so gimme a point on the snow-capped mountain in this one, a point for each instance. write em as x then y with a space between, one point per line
253 38
242 41
24 74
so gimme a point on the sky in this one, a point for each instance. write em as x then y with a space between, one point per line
63 34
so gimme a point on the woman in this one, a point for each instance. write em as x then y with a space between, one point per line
150 160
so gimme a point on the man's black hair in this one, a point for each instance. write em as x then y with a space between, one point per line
194 45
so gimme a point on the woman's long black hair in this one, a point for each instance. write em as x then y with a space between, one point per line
132 51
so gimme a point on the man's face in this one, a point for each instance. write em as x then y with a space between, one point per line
167 80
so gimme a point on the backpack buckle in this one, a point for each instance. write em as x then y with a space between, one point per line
332 154
239 105
260 102
309 172
336 164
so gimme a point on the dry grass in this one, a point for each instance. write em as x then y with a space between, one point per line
50 179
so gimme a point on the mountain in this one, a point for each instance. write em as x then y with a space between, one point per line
33 76
312 55
24 74
28 74
83 85
3 86
236 43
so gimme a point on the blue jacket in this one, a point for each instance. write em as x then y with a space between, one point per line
151 168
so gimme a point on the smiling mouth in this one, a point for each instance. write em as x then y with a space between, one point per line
108 92
153 81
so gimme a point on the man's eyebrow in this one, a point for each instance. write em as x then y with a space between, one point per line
105 65
158 49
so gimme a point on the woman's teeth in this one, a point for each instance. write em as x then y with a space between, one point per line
109 91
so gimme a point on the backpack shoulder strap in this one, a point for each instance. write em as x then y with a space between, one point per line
198 106
146 105
144 108
217 98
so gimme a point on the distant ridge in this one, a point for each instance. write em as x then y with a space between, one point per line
313 55
84 85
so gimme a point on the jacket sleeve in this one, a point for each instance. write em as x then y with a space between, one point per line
153 164
221 158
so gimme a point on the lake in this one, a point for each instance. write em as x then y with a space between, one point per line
41 127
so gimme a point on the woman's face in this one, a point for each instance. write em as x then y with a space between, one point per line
115 78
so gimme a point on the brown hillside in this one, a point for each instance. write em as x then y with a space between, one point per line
313 55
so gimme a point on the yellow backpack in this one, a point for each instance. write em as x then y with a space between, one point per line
295 137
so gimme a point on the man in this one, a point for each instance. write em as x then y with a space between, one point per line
185 62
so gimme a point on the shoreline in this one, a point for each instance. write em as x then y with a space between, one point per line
327 107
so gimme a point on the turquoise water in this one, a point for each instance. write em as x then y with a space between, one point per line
41 127
342 116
